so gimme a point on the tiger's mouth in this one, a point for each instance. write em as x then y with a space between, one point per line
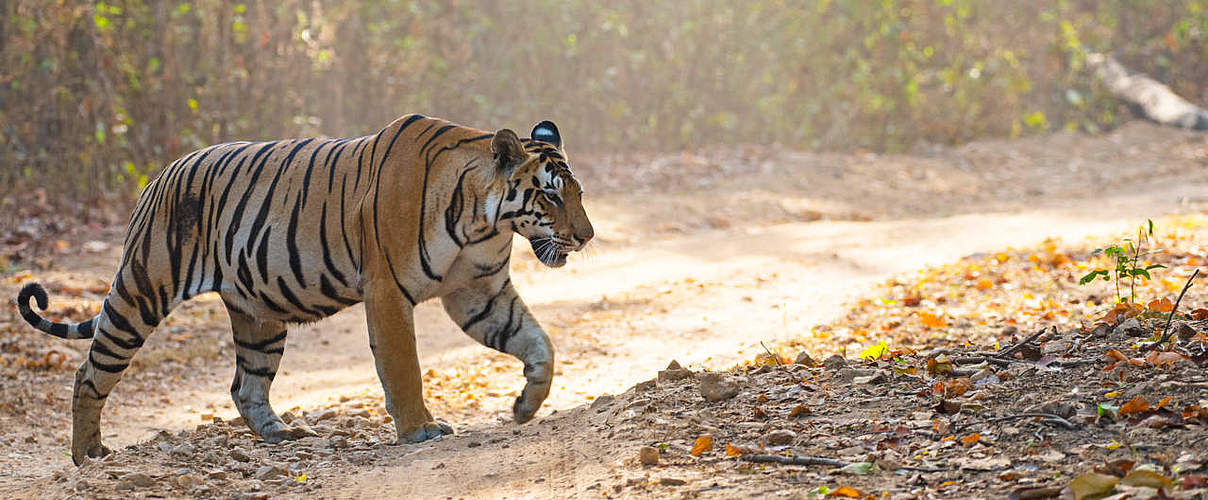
549 251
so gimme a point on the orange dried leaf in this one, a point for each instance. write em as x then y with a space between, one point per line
846 492
733 451
1137 405
799 411
1161 403
1159 358
1116 355
971 439
931 320
1199 314
985 284
1162 305
703 444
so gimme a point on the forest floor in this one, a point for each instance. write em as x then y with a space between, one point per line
712 259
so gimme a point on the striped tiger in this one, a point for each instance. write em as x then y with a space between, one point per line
293 231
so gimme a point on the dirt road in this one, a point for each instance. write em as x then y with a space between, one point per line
698 258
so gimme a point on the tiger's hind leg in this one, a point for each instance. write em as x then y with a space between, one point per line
120 330
258 349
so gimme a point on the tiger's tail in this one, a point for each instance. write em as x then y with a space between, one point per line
82 330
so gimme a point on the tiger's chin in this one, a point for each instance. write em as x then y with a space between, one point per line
548 252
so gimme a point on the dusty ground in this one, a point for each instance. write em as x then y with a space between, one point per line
699 257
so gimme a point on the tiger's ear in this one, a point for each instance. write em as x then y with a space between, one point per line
508 151
546 131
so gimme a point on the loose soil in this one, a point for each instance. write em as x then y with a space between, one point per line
704 258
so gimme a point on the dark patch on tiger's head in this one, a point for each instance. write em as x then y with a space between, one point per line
543 199
188 214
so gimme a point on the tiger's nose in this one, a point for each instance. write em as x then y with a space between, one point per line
584 238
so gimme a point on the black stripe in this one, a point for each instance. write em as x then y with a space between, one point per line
263 344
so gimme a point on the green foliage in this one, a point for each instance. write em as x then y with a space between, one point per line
88 86
1128 263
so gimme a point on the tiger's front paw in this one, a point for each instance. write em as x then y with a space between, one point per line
424 432
95 450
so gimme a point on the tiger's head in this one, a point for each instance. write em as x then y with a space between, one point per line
542 199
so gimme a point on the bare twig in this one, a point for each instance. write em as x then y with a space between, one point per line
781 459
1047 418
796 460
772 354
1019 345
1166 329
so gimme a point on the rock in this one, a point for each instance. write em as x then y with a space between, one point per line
288 417
780 437
835 362
82 486
217 475
648 455
804 359
183 450
851 374
188 481
323 415
1128 328
1055 348
358 412
164 446
672 481
270 472
674 372
718 386
240 455
1101 330
338 442
138 479
1183 331
647 385
1055 406
602 401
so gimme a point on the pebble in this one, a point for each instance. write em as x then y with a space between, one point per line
1184 331
188 481
1129 328
323 415
217 475
780 437
183 450
804 359
270 472
835 362
672 481
602 401
718 386
240 455
137 479
648 455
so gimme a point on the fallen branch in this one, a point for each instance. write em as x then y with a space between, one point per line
1166 329
789 460
796 460
1006 354
1047 418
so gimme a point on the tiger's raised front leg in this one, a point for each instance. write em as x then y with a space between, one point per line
258 349
392 340
498 319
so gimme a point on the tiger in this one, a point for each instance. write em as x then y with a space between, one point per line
293 231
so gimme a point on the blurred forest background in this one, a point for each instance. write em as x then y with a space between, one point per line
96 97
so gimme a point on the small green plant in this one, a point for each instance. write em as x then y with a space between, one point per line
1128 263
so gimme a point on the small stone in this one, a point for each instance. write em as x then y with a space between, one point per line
835 362
1101 330
804 359
718 386
647 385
649 455
602 401
304 455
358 412
138 479
1184 331
1129 328
82 486
851 374
269 472
674 372
183 450
672 481
288 417
188 481
240 455
780 437
217 475
338 442
1055 348
164 446
323 415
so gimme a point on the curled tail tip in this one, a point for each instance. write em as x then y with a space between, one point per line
32 290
